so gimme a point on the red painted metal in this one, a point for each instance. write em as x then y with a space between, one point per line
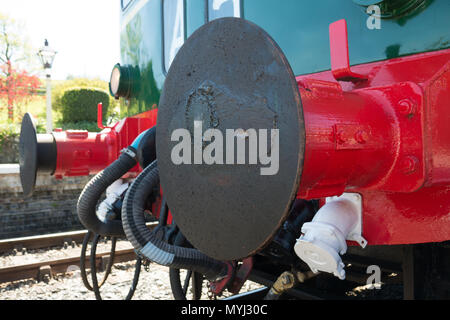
241 275
100 116
387 138
218 287
360 139
82 153
340 59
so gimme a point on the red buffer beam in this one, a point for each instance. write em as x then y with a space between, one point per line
387 138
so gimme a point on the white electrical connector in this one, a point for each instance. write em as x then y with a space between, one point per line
114 192
325 238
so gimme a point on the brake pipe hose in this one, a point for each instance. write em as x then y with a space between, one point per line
147 243
87 202
95 285
83 261
179 290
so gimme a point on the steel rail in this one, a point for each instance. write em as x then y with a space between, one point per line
38 270
47 241
39 242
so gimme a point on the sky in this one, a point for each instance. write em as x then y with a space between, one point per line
85 33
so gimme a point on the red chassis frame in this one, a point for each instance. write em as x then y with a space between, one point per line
381 130
82 153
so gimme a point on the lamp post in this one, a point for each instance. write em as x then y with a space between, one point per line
47 55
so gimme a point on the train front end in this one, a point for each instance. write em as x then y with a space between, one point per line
290 137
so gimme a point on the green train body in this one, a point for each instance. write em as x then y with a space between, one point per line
300 28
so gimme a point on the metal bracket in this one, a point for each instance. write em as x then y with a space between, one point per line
340 58
356 233
129 152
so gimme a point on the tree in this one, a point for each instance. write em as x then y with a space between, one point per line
15 85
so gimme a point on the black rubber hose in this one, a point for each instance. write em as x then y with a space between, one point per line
146 150
83 271
83 262
87 203
95 284
179 290
148 244
137 272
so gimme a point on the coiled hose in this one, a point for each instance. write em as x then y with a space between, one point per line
95 284
87 202
87 207
148 244
180 290
95 287
83 262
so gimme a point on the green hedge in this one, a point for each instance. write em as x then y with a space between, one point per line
80 125
80 104
59 87
8 133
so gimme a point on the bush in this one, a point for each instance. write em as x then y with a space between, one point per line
9 143
60 87
80 104
8 132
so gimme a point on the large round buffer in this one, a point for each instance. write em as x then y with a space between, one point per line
230 79
37 153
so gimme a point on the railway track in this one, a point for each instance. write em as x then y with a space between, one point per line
47 241
40 242
53 266
40 270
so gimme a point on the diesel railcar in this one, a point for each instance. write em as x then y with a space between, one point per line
304 145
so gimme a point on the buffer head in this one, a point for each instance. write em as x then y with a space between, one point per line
230 75
37 153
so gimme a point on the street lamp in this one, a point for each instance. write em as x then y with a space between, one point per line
47 55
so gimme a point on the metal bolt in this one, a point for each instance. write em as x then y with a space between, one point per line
286 280
45 273
340 137
410 164
361 136
407 107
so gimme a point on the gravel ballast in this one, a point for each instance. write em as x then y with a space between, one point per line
153 285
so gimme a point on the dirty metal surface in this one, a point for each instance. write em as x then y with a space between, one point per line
230 74
28 157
